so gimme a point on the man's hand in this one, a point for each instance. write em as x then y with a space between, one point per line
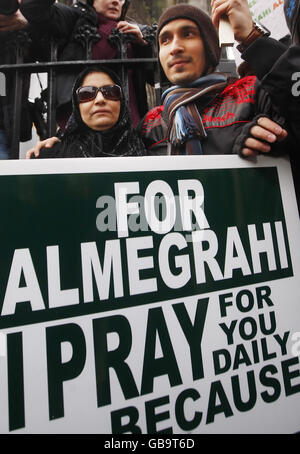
47 143
12 23
261 135
133 29
238 13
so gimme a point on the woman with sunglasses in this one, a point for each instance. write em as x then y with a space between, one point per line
100 124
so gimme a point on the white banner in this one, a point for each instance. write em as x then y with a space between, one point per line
269 13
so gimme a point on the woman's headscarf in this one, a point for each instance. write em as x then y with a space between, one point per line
81 141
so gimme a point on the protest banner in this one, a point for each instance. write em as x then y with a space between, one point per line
149 295
271 15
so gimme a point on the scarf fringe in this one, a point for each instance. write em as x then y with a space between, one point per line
184 127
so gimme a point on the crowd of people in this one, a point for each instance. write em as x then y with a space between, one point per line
194 116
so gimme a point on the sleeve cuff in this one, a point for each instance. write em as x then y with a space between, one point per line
262 54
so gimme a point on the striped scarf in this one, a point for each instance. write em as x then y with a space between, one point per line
185 126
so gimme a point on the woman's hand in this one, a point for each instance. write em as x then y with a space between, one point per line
133 29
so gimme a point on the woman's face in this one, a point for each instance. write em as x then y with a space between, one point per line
100 113
111 9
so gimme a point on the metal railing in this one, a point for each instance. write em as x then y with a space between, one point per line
20 42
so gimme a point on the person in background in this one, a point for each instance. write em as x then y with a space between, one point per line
100 124
65 23
7 8
12 20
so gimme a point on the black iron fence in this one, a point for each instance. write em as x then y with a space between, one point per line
17 64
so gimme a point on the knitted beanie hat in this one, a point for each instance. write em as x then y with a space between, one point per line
292 16
207 30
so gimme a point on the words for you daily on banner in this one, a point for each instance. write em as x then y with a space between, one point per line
161 301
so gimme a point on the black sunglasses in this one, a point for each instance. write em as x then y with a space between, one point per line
88 93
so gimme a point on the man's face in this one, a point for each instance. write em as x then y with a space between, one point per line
181 51
111 9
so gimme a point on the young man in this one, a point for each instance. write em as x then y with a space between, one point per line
202 112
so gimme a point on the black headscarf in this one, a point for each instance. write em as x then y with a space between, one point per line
81 141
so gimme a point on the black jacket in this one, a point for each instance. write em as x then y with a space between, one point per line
31 52
276 66
8 57
283 87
